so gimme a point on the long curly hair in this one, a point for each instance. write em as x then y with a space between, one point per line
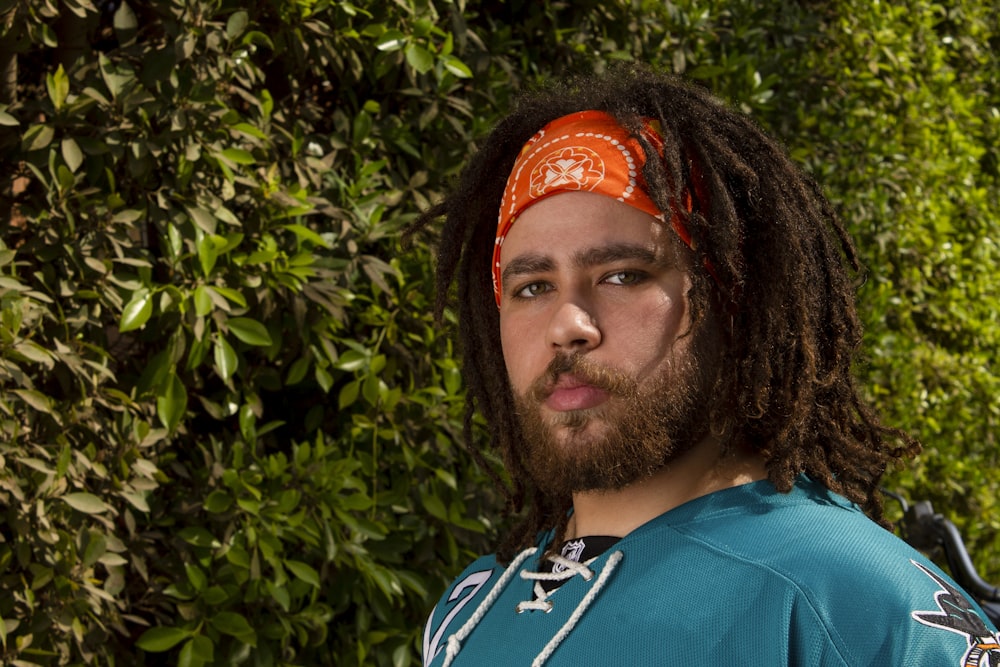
775 265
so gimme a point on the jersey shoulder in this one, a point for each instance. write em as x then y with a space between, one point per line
876 597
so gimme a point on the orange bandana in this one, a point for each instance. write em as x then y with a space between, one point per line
586 151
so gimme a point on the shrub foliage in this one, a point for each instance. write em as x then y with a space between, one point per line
230 429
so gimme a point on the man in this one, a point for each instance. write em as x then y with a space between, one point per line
658 324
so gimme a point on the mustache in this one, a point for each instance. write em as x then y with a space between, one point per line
585 370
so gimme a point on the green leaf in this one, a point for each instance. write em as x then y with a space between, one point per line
419 58
447 477
97 546
112 560
34 352
266 103
72 154
195 576
198 651
226 360
11 284
231 623
435 507
238 557
362 127
57 84
231 295
305 234
249 331
218 501
391 40
280 595
208 253
65 178
215 595
370 389
125 23
87 503
236 24
116 74
456 67
136 500
198 536
348 394
137 311
128 215
202 301
323 378
62 464
38 137
157 640
248 423
304 572
351 360
171 403
297 371
35 399
705 71
49 38
239 156
203 219
155 373
249 130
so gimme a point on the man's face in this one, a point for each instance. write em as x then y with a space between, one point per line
592 319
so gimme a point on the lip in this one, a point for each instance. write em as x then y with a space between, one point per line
572 393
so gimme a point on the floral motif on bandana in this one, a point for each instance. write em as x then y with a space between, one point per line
571 168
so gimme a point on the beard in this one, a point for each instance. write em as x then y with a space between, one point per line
635 433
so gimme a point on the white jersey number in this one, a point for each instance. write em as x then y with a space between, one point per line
475 581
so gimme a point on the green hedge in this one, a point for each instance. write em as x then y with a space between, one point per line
230 430
229 422
904 132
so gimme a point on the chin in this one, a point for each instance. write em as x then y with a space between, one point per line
580 419
577 424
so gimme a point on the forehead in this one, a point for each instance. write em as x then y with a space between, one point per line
569 221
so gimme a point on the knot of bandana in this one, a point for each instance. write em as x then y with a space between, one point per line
586 151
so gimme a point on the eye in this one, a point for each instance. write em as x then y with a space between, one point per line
625 277
532 290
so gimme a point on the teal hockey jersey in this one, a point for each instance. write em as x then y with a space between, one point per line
746 576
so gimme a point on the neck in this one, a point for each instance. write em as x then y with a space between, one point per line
699 472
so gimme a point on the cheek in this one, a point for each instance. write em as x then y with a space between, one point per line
513 339
670 320
655 330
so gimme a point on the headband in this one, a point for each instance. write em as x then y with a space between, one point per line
586 151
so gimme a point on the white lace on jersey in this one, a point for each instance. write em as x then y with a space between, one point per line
541 601
569 569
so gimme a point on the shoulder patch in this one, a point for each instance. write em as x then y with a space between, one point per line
955 614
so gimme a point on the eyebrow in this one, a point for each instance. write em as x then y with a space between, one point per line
616 252
523 265
530 263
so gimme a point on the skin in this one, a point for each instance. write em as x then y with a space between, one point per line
584 273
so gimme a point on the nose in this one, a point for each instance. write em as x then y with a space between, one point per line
573 327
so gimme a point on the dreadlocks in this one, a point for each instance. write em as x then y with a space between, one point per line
776 273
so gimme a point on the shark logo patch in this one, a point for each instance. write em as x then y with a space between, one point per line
955 614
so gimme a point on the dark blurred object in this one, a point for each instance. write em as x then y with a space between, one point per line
932 533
